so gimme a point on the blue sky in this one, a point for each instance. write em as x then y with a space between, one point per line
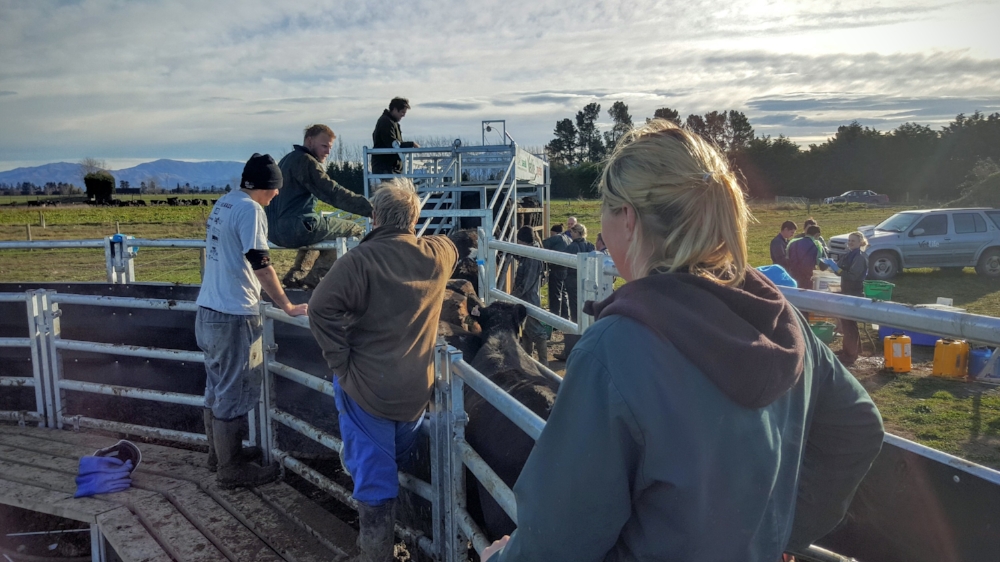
133 81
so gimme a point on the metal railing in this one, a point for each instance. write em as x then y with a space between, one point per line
452 525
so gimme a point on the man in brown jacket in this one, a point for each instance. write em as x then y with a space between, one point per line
375 316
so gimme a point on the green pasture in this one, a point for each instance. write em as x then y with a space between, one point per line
957 417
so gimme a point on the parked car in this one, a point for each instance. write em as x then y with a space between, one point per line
859 196
945 238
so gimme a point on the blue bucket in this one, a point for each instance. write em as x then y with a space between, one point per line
977 360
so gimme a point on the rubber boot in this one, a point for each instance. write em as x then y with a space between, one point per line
376 539
248 454
304 260
234 472
323 264
569 341
542 347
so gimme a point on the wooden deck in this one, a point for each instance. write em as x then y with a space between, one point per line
174 510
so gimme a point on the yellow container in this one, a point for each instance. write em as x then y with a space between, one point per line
951 358
897 353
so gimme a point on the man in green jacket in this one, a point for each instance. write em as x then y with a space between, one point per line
292 218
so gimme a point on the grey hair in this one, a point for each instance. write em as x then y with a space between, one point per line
396 204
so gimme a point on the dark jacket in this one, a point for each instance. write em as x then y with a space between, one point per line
558 243
294 208
577 246
779 247
803 255
695 422
853 270
528 287
386 132
375 317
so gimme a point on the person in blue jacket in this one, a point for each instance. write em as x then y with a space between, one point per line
699 418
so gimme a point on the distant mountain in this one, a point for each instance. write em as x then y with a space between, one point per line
166 173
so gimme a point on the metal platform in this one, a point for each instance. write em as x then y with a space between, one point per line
173 511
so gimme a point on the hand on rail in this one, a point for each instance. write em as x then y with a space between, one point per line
494 548
296 309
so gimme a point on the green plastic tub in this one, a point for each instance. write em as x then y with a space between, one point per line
879 290
823 331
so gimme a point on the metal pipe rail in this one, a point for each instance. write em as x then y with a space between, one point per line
17 381
132 392
15 342
49 244
528 421
489 479
985 329
13 297
124 302
131 350
541 254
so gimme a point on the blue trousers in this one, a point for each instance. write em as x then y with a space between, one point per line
372 448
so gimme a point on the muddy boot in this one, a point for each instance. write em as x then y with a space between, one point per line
304 260
376 539
569 341
323 264
248 454
233 471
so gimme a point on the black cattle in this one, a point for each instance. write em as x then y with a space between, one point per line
458 326
503 445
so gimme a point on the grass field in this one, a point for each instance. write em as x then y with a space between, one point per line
957 417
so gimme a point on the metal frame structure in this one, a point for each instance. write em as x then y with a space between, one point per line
452 525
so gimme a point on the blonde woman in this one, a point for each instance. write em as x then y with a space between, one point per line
699 418
853 270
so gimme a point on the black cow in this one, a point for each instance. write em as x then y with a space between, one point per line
467 242
503 445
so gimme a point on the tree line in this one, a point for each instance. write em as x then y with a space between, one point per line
911 163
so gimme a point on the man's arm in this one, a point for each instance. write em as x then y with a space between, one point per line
269 282
329 191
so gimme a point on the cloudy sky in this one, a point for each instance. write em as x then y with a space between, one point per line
133 81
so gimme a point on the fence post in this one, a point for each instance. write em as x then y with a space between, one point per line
36 333
51 314
458 420
270 349
447 478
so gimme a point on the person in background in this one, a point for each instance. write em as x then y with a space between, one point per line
527 287
228 325
293 219
700 418
852 269
599 244
579 244
375 318
570 223
388 134
804 254
779 245
810 222
558 300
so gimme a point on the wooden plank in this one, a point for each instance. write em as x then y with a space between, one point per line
322 524
175 533
225 531
280 533
53 502
129 539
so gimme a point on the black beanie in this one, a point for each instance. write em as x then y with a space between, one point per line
261 172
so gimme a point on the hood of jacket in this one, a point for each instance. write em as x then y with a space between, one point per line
746 340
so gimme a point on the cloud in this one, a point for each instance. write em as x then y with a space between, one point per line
259 72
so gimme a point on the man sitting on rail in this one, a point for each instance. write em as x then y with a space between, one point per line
228 325
292 217
375 316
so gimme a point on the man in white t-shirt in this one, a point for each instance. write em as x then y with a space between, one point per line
228 325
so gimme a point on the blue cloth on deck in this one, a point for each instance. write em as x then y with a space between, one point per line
373 446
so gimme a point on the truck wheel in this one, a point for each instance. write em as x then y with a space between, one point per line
883 265
989 264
